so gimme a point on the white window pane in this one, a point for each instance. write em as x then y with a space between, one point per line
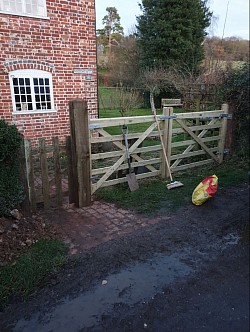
35 7
19 7
41 11
28 9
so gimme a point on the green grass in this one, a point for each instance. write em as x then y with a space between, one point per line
153 194
23 276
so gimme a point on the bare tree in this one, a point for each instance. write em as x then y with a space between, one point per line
124 66
154 81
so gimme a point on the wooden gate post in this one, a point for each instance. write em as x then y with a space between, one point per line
223 132
79 126
167 140
230 128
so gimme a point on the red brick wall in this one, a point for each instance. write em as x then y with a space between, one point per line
61 44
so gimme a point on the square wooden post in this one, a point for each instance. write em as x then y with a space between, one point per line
165 128
79 126
223 131
167 140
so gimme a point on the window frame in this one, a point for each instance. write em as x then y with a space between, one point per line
31 74
24 13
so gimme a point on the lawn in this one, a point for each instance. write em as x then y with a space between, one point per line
23 276
153 194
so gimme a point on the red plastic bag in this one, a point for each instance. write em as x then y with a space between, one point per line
205 190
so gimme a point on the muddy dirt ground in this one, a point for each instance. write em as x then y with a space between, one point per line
188 272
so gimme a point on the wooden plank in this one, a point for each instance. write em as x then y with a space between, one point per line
169 140
97 171
106 155
147 149
188 142
202 127
25 205
190 147
71 178
74 197
192 165
30 174
57 170
199 115
181 156
223 132
114 154
166 102
44 172
165 136
197 139
117 138
113 168
120 121
124 180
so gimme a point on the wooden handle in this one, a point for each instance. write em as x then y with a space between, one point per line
162 144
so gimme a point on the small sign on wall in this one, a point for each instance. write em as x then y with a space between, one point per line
83 72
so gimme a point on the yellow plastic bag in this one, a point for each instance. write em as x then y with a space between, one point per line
206 189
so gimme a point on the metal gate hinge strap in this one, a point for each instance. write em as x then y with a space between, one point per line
94 126
228 116
165 117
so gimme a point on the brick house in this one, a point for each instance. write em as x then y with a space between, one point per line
47 57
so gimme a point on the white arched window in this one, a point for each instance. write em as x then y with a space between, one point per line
24 7
32 91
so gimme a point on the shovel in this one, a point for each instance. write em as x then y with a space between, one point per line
131 178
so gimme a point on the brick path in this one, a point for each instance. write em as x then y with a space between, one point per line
83 228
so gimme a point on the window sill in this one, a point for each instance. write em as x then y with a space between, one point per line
26 15
33 112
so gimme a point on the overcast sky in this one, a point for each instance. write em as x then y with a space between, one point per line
236 24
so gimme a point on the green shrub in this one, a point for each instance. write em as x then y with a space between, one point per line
11 192
235 91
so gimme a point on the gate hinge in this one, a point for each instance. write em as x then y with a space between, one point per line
94 126
165 117
228 116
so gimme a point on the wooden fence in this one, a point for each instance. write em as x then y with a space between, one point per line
94 157
45 178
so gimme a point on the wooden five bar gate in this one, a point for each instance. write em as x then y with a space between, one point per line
84 165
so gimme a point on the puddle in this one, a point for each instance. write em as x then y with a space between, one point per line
230 240
136 284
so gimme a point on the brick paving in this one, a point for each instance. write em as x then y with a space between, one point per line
87 227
